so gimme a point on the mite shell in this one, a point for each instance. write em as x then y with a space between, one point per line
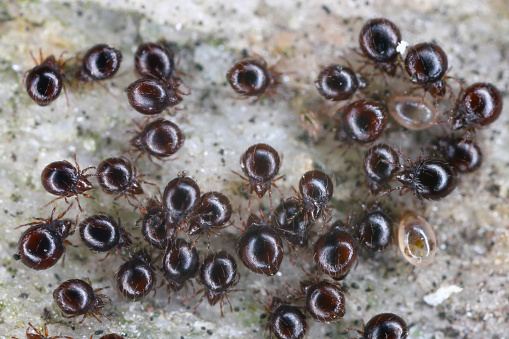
413 112
417 240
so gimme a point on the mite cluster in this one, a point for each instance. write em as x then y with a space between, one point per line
173 222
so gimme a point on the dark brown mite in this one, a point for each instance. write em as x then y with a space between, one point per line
316 190
155 227
337 83
290 222
111 336
479 105
426 63
155 60
430 179
118 176
362 122
335 252
151 96
136 277
380 165
286 321
218 274
180 264
101 233
379 39
324 300
43 244
251 77
385 326
374 229
465 155
43 83
39 335
76 297
260 247
63 179
260 163
211 214
181 196
100 62
160 138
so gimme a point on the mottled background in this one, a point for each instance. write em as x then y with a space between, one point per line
300 37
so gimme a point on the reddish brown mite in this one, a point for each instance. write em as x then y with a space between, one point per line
337 83
260 247
151 96
210 215
316 190
218 274
155 60
63 179
379 39
75 297
136 277
286 321
374 229
380 165
180 264
101 233
100 62
112 336
426 63
156 229
324 299
479 105
385 326
260 163
465 155
39 335
180 198
43 83
290 222
362 122
43 244
335 252
251 77
159 138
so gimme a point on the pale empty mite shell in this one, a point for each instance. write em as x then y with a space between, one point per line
413 112
417 240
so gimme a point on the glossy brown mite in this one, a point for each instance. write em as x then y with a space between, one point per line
43 244
290 222
251 77
429 178
155 228
335 253
160 138
379 39
465 155
39 335
380 165
362 122
374 229
100 62
426 63
260 163
338 83
44 82
324 300
101 233
287 321
316 190
154 60
76 297
218 274
385 326
211 214
180 264
180 198
136 277
118 176
111 336
480 104
260 248
151 96
63 179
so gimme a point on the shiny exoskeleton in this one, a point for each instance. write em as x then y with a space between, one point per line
374 229
316 190
386 326
76 297
251 77
101 233
136 277
426 63
155 60
180 198
337 83
380 165
211 214
324 300
287 321
100 62
290 222
118 176
151 96
180 264
465 155
43 83
362 122
379 39
159 138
